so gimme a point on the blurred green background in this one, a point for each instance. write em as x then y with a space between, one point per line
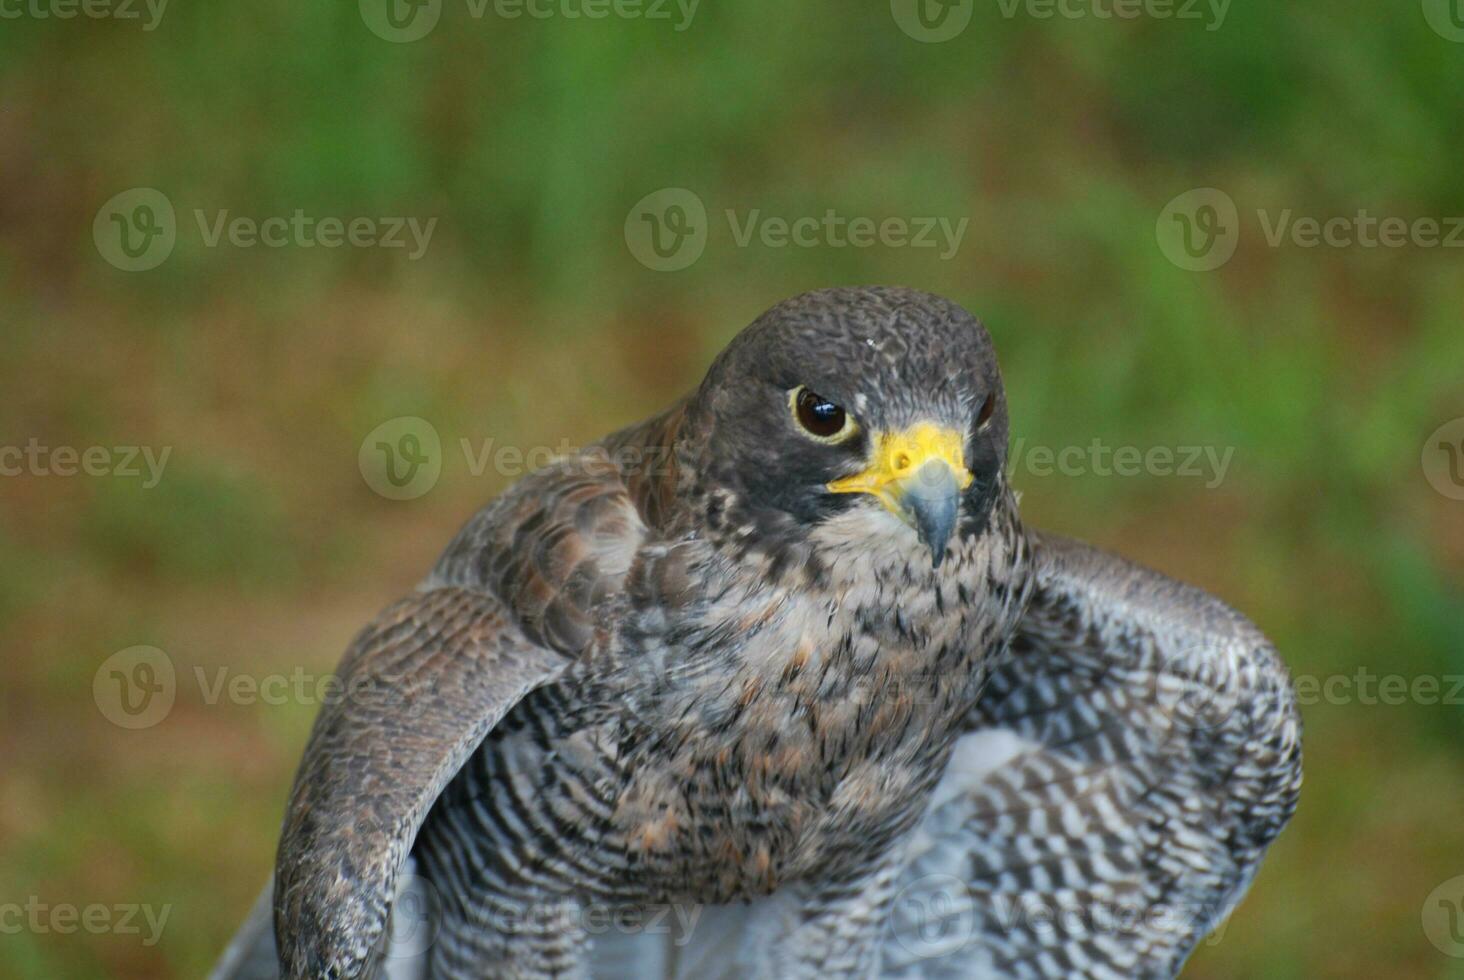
529 321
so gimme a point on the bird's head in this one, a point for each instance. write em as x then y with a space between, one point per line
876 408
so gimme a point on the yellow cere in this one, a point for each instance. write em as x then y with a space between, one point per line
899 456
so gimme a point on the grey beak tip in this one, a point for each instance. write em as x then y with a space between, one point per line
933 505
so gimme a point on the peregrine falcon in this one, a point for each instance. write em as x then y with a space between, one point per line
785 657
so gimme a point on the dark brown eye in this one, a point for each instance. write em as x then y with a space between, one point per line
819 416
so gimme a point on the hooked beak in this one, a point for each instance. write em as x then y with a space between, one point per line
918 475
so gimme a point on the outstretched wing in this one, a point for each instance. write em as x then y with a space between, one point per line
1136 751
420 688
509 606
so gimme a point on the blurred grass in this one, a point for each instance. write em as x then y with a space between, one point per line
529 321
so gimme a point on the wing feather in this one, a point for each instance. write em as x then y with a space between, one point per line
421 687
508 607
1136 751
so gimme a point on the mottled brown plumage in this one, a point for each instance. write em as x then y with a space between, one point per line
719 657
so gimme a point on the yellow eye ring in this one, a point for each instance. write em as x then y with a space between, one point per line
819 418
